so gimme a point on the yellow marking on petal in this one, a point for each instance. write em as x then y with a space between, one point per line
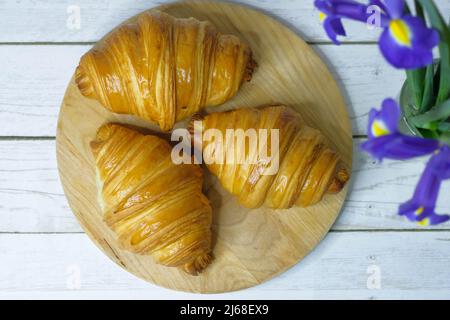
400 32
322 16
425 222
379 128
419 211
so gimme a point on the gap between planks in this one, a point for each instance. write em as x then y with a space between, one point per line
77 43
51 138
27 138
363 207
36 108
330 231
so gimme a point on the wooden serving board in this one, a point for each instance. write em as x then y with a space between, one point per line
250 246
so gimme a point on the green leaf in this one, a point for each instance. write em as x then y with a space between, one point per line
444 126
419 10
428 95
437 76
438 113
416 85
438 22
433 126
429 134
445 137
428 92
417 77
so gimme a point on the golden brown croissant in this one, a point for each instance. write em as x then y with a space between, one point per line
307 167
155 207
164 69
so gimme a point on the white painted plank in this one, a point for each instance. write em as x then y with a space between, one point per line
31 197
34 78
48 21
32 85
409 265
156 293
32 200
51 21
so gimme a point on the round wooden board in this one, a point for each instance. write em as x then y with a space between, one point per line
250 246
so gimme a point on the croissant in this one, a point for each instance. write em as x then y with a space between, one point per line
307 167
155 207
164 69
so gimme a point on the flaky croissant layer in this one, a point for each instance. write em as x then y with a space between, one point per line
307 168
155 207
164 69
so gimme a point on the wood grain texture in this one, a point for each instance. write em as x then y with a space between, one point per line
32 199
47 21
251 246
409 264
29 104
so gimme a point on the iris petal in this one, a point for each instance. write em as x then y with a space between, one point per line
385 141
421 207
390 112
349 9
409 48
400 32
379 128
333 28
399 147
395 8
409 209
335 10
438 219
441 162
380 4
422 35
425 218
403 57
338 27
352 10
387 119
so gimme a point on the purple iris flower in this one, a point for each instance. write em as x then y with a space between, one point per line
441 165
406 42
385 140
333 10
379 4
421 207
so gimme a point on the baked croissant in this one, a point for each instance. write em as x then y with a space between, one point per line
307 168
155 207
164 69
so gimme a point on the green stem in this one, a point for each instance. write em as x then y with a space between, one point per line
415 80
428 91
438 22
435 115
445 138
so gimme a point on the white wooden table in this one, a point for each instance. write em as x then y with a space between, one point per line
370 253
